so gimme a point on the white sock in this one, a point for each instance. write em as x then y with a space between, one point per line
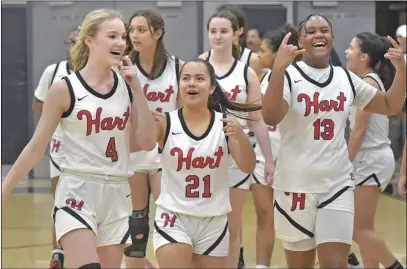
57 250
261 266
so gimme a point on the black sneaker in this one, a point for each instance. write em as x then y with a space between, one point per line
57 261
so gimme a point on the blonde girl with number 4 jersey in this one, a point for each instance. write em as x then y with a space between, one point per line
96 108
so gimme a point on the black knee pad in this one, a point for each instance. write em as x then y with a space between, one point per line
91 266
138 225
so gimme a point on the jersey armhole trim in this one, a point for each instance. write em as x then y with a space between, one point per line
53 75
72 95
350 81
249 57
208 56
288 79
129 91
167 129
177 68
224 115
375 80
246 80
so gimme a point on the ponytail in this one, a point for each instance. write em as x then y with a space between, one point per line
221 103
376 47
79 55
384 68
236 51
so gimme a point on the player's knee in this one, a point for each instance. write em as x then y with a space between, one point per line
91 266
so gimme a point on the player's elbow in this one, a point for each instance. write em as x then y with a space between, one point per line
36 106
148 144
271 118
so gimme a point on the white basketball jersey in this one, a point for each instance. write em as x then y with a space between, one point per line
96 128
194 179
235 84
377 133
51 74
273 130
161 95
245 55
313 157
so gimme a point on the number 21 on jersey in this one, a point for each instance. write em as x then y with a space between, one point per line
193 183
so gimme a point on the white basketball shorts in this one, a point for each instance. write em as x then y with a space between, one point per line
207 236
374 167
146 162
57 157
101 206
304 220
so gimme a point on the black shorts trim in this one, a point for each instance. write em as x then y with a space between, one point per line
217 242
164 234
242 181
293 222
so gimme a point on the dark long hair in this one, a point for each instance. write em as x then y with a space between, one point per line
156 21
226 14
376 47
218 99
241 19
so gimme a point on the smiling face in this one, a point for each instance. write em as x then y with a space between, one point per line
109 42
195 84
316 38
354 56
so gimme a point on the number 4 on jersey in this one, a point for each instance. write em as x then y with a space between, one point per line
111 150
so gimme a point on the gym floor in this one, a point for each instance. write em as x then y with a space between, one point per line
27 226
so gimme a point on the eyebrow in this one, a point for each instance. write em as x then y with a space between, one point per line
113 31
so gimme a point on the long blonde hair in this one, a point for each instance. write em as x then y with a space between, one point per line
79 53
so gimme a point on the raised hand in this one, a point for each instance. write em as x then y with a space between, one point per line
395 54
233 127
127 70
286 53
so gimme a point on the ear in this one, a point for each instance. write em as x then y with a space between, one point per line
364 57
157 34
88 42
240 31
212 89
300 43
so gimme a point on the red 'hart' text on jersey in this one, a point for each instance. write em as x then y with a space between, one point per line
158 96
197 162
324 105
107 123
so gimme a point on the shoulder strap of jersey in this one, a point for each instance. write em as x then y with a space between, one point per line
350 81
246 79
209 55
177 68
288 78
248 57
53 75
375 80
